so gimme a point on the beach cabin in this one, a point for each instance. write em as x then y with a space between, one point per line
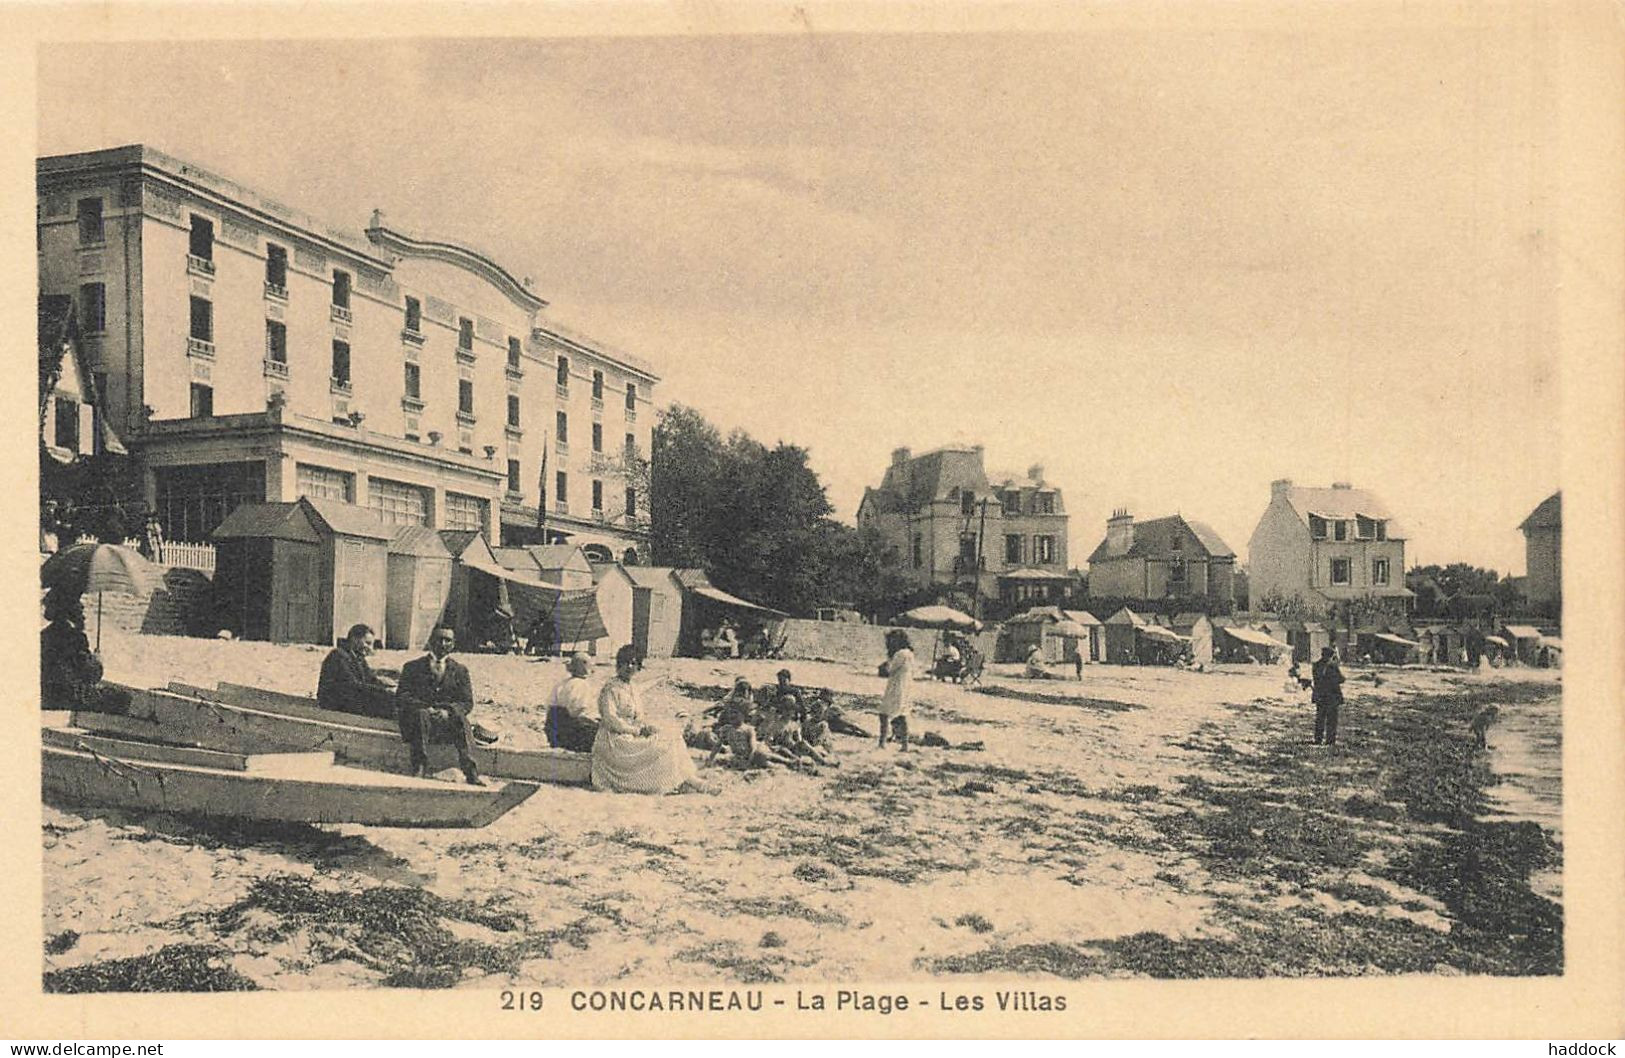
1197 628
1092 649
490 596
1307 639
1120 637
1141 639
1523 643
565 565
657 610
1033 628
473 601
300 572
616 592
419 585
1234 641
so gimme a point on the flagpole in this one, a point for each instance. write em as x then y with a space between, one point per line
541 494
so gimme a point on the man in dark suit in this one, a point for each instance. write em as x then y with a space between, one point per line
348 684
1327 694
433 704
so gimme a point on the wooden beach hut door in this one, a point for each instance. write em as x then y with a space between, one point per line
294 616
641 598
433 584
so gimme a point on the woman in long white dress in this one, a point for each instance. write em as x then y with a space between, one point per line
895 703
630 755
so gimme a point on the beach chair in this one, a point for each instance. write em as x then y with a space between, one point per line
970 673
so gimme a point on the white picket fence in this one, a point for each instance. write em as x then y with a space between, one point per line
185 556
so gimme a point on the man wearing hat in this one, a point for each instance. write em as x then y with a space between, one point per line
1327 695
569 718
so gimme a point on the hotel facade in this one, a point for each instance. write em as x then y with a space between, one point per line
244 351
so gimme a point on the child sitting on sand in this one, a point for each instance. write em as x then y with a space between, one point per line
735 734
782 729
837 721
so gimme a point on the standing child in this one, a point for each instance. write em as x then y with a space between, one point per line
895 703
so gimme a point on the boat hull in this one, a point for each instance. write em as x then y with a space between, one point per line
318 794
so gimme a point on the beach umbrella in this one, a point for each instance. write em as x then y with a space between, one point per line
98 568
939 617
1070 629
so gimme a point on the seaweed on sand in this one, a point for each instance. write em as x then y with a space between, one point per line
1077 702
399 931
725 955
175 968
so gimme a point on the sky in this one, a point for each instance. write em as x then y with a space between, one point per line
1167 266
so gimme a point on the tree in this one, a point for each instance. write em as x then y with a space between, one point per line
757 519
1287 607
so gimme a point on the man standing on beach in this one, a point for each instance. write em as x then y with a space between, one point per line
1327 695
347 683
433 704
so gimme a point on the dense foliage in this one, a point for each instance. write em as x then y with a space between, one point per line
758 521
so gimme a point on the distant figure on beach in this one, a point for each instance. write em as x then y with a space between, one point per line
835 718
569 722
1481 724
152 539
1077 662
433 703
1327 694
895 703
347 683
1037 668
629 755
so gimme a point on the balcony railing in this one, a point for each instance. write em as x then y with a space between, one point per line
598 514
341 314
515 431
561 448
341 385
465 354
276 292
515 372
409 335
631 415
561 506
199 348
199 266
276 368
411 403
465 417
562 391
598 404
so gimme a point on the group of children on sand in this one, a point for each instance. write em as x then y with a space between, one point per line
777 726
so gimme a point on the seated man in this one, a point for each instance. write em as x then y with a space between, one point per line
348 684
569 719
433 704
727 644
1037 667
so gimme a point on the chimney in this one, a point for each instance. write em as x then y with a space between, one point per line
1036 472
1119 532
899 456
1341 485
1279 486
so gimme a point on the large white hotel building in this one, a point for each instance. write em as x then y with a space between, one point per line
245 351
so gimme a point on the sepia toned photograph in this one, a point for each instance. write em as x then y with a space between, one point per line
924 519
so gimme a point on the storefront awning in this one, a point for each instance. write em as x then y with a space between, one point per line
1159 632
1497 640
573 615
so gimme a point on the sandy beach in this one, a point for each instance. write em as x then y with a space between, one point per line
1139 822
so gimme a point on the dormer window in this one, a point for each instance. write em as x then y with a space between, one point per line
967 503
1381 529
1317 527
1012 503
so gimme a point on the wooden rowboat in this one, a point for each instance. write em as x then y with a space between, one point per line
206 719
82 768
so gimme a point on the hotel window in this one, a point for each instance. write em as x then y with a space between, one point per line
1044 503
414 315
67 423
918 551
201 242
1012 549
1012 503
398 503
341 289
513 476
414 382
465 396
276 341
465 512
1043 549
563 377
561 487
561 428
1317 527
597 495
967 551
513 410
1379 571
202 400
93 308
341 362
276 266
91 230
465 333
597 437
513 353
631 446
631 502
1340 530
1340 571
202 319
597 385
631 396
